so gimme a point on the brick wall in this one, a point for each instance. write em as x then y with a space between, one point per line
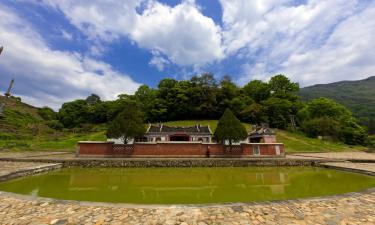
178 149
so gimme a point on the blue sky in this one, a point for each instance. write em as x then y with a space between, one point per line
63 50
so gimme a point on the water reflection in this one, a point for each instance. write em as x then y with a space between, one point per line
188 185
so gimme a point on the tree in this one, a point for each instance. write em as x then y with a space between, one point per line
74 113
280 85
257 90
93 99
324 107
324 116
230 129
278 112
47 113
323 126
254 114
128 124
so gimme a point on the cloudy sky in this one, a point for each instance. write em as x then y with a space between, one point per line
59 50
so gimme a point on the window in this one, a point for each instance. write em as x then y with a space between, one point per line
256 150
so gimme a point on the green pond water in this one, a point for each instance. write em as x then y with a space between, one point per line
188 185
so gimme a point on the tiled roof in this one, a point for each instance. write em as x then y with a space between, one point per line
261 131
197 129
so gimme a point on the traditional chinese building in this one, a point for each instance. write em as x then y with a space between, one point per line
165 133
262 134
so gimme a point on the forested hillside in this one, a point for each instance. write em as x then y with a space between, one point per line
358 96
201 98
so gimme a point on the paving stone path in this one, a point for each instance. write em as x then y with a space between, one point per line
358 208
338 155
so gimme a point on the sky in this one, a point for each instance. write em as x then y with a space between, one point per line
61 50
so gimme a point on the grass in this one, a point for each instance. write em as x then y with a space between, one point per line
211 123
23 129
45 143
296 142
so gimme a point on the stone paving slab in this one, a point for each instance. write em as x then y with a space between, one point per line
11 170
357 208
369 168
339 155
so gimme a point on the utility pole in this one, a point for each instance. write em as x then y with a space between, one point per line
7 94
293 121
2 105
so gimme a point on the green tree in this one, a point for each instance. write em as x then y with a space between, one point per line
74 113
323 126
128 124
278 112
93 99
282 87
322 114
254 114
47 113
230 129
324 107
257 90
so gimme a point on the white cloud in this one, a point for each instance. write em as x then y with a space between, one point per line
158 61
50 77
66 35
181 33
106 20
312 42
348 54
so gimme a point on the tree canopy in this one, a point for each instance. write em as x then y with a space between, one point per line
229 128
203 97
128 124
325 117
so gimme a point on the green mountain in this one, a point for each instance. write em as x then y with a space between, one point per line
358 96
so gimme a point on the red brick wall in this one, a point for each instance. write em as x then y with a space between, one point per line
95 148
175 150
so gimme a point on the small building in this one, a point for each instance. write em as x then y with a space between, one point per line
262 134
165 133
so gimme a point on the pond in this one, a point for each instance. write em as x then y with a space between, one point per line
188 185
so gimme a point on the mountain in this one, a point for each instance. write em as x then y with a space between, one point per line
358 96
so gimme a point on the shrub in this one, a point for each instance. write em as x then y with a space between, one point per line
55 124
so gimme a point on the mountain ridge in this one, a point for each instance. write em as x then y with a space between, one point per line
357 95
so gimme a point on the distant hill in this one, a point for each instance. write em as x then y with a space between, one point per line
358 96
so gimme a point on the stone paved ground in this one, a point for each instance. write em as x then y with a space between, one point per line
357 208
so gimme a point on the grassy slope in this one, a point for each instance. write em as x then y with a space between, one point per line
16 133
66 142
21 128
294 142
